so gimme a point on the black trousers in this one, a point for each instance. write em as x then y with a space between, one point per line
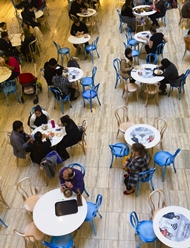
163 83
155 16
14 75
72 92
126 183
61 148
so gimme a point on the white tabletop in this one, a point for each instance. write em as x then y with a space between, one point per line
79 39
144 13
143 34
147 76
76 72
15 40
58 134
5 73
88 13
175 231
46 220
146 134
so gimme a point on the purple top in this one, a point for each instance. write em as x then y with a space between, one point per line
77 181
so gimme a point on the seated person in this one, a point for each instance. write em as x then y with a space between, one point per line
126 65
127 14
72 137
64 85
28 38
170 74
77 6
29 16
78 28
138 162
6 46
3 27
49 70
154 40
71 178
20 141
11 63
185 10
40 148
39 117
161 11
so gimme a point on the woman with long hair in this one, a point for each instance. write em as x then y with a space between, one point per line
127 65
138 162
127 14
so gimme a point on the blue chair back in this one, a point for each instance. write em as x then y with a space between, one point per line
78 167
146 176
120 20
94 70
42 72
119 149
49 245
166 5
56 45
160 49
98 201
64 241
171 159
128 34
9 87
95 42
149 58
186 75
2 222
134 220
95 89
56 93
116 65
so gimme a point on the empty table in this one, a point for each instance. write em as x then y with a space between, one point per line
48 222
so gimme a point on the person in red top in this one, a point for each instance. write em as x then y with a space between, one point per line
12 64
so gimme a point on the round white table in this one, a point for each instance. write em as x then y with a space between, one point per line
147 74
143 34
74 74
15 40
145 134
58 134
88 13
144 13
5 73
78 39
46 220
172 226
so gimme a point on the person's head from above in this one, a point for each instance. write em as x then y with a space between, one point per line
4 35
77 22
68 174
65 119
38 137
52 63
152 30
138 150
129 3
59 71
26 24
6 56
38 111
128 53
79 1
165 63
26 5
3 25
18 126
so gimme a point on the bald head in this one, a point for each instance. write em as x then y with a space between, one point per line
68 174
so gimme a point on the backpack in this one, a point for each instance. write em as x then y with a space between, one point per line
73 63
177 82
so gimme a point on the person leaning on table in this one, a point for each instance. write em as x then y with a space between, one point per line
71 178
126 65
77 6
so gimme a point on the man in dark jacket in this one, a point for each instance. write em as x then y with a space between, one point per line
6 46
77 6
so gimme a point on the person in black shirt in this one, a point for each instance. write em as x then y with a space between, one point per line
154 40
6 46
72 137
161 11
39 117
127 14
77 7
29 16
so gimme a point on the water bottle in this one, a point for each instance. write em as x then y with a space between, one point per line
53 123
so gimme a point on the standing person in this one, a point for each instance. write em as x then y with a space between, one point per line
154 40
127 65
39 117
20 141
40 148
77 6
6 45
127 14
72 137
138 162
170 74
64 85
71 178
12 64
161 11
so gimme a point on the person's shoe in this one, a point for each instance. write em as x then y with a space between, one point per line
73 99
128 193
163 93
126 175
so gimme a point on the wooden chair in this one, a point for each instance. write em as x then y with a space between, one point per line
160 124
30 234
130 88
156 201
151 89
187 45
28 199
1 195
123 123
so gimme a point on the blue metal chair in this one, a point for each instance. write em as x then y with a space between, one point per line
61 51
89 81
82 169
164 159
182 85
90 94
143 229
151 56
65 241
1 221
135 53
118 150
121 23
160 49
144 177
129 38
91 48
92 211
42 73
57 97
9 87
116 65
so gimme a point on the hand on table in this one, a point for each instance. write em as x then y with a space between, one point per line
69 185
62 187
83 10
